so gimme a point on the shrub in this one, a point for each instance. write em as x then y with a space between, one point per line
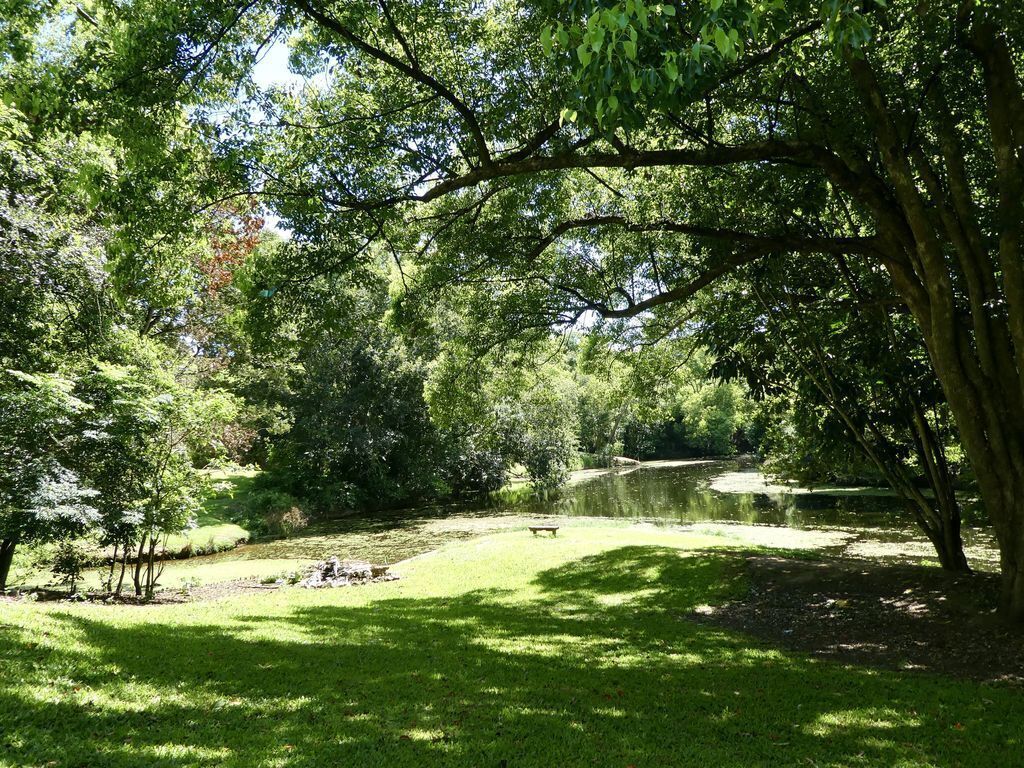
69 560
286 522
277 513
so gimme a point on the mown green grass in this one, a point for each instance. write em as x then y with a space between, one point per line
506 650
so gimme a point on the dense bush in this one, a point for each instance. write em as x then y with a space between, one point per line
276 513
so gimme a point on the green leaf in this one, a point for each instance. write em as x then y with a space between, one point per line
545 40
671 71
641 15
584 54
630 48
722 41
668 10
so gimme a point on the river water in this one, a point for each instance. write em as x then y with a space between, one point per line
720 491
716 493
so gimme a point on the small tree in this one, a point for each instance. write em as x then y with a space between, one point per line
40 499
141 432
69 562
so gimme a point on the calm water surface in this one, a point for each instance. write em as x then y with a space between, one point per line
684 494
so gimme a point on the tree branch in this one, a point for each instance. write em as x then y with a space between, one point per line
410 69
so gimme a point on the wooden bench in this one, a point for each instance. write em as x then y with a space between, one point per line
535 529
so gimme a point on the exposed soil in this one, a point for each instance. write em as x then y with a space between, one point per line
162 597
211 591
888 616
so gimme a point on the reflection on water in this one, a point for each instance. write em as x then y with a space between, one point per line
683 494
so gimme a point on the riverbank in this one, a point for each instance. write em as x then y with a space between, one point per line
522 482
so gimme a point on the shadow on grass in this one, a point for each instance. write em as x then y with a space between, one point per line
600 668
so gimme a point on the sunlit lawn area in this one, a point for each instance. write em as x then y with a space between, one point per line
506 650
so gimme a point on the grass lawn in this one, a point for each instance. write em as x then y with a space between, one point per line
505 650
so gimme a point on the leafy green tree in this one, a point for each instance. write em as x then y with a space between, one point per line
359 430
98 234
856 377
51 298
541 426
40 499
136 438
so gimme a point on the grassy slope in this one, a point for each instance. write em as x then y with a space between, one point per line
506 650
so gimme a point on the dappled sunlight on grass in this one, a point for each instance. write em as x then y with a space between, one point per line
501 650
875 718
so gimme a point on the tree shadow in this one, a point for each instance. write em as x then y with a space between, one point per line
599 667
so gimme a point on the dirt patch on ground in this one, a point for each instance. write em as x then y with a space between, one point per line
894 617
212 591
162 597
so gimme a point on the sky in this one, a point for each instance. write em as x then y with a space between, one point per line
272 69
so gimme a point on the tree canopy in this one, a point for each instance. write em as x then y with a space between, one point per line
624 167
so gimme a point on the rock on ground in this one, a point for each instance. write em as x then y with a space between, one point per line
334 572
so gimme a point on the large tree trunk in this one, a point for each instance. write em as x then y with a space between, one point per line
940 261
1012 561
6 558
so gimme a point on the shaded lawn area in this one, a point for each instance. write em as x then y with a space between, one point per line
507 651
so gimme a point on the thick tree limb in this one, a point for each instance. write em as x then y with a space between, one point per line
779 242
765 151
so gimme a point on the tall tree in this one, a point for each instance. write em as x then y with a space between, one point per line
838 111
